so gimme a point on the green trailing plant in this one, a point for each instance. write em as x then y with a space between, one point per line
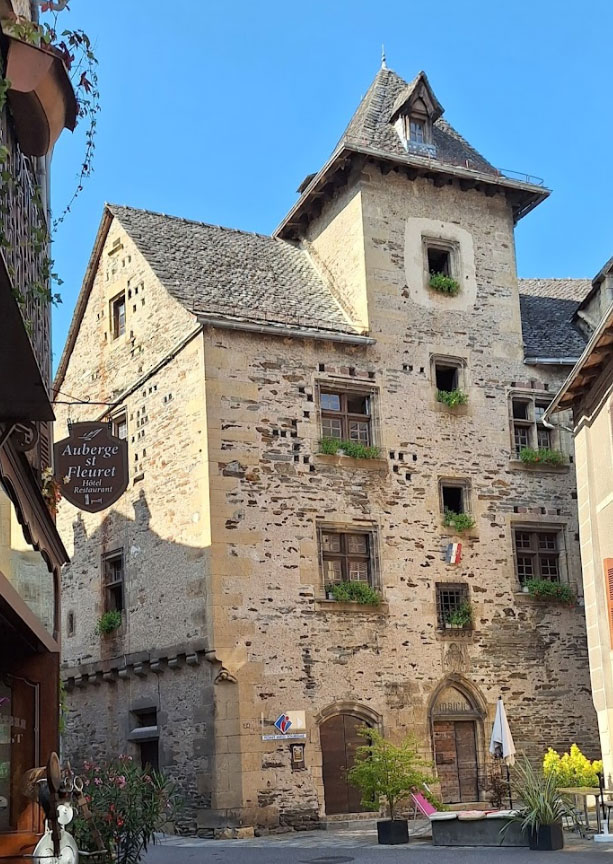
444 284
75 49
452 398
462 616
572 769
108 622
543 455
128 805
354 592
355 449
542 803
545 589
460 522
388 772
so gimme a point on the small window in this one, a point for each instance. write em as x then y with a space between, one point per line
118 316
417 131
537 554
520 409
454 496
447 377
146 734
113 572
120 426
70 624
346 556
439 260
452 599
346 416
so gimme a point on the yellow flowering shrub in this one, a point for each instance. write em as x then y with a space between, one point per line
572 769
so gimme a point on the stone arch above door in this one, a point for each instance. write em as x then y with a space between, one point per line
456 695
347 706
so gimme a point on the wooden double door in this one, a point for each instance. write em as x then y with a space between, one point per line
339 739
455 750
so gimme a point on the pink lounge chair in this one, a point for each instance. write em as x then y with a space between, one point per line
422 805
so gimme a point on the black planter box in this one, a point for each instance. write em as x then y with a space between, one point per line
393 832
547 838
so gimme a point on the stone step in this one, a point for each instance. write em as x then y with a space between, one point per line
349 822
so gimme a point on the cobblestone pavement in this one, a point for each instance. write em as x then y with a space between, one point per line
360 846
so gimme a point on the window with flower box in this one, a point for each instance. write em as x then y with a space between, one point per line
346 415
528 429
347 555
113 574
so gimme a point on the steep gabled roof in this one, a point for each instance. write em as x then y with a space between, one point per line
223 272
547 310
371 126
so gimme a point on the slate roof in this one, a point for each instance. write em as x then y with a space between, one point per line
228 272
370 126
547 310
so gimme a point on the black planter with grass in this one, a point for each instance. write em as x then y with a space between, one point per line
547 838
392 832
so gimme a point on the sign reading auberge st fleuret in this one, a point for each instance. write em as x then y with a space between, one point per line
91 466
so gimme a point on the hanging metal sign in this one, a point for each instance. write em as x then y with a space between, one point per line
91 466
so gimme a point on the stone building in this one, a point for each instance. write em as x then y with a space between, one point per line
226 358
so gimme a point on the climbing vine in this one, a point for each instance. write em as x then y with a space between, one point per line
75 49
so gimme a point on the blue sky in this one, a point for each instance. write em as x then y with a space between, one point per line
216 111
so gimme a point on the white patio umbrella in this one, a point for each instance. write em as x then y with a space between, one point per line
501 742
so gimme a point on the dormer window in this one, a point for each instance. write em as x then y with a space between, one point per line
417 131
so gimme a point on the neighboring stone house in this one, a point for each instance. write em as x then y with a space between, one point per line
227 358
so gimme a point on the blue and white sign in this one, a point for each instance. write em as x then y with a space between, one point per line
283 723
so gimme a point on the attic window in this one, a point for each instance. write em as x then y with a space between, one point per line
417 130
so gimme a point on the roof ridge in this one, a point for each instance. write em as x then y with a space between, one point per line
198 222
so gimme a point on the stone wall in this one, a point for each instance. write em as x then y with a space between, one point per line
161 523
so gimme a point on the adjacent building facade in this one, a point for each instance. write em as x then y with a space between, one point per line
588 391
236 365
31 552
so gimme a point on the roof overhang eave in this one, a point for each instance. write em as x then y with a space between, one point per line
584 370
533 193
283 330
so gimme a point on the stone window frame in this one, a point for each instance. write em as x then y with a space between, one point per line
369 528
460 363
532 424
544 527
343 385
111 586
462 483
114 319
452 247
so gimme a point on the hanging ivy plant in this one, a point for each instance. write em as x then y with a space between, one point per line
75 50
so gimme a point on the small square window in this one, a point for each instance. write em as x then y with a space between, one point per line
453 497
520 410
439 260
449 600
447 377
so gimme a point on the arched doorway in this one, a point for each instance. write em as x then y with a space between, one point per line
457 731
339 739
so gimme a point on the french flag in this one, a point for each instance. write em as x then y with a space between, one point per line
454 553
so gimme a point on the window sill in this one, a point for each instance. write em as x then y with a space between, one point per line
379 465
518 465
455 632
469 534
536 601
336 606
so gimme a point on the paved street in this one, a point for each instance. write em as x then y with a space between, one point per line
342 847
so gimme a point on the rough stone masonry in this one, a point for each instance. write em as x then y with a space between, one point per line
228 531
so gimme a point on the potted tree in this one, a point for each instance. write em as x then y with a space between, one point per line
388 772
543 807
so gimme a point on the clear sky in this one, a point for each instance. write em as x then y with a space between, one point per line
217 110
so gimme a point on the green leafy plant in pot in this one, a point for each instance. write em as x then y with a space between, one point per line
543 807
385 772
